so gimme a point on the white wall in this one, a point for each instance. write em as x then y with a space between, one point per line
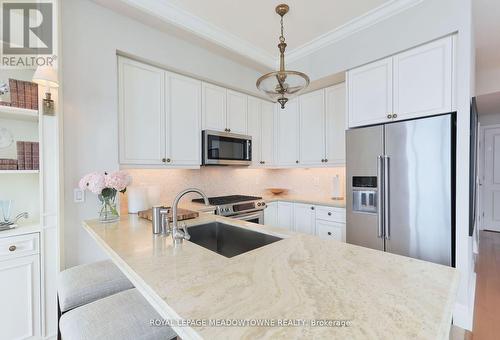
91 35
426 21
489 119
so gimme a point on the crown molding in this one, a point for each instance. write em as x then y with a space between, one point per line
197 26
355 25
204 29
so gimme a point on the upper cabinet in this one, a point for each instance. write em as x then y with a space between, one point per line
157 125
183 120
415 83
236 111
312 128
214 107
141 112
287 134
335 124
224 110
370 93
267 141
254 125
423 80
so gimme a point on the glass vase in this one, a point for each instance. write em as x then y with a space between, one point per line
109 211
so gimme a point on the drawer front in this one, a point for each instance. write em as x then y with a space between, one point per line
330 214
329 230
16 246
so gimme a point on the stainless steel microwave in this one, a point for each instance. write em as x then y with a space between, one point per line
222 148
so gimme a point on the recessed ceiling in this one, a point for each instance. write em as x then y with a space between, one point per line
256 21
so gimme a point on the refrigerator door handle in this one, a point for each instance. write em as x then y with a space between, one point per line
380 185
386 198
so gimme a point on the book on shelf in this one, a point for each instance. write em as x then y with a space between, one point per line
28 156
20 155
20 94
13 92
34 96
23 94
8 164
36 155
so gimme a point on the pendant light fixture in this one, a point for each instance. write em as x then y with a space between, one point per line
283 84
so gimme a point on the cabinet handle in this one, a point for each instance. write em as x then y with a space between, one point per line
330 233
329 214
163 160
394 116
389 116
12 248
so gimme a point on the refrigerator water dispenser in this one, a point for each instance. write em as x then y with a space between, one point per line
364 194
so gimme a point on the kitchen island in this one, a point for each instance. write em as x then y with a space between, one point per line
298 287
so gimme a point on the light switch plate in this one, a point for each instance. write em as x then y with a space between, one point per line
78 195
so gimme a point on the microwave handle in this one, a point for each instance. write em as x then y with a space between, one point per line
249 150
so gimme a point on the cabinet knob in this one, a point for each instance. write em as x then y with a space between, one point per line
322 161
394 116
228 130
12 248
168 160
329 214
330 233
326 160
312 208
297 162
389 116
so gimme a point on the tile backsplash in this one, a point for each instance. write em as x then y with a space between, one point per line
215 181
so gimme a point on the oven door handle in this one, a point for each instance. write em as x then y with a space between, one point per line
249 216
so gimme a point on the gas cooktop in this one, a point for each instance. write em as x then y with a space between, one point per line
220 200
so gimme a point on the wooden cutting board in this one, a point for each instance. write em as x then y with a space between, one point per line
182 214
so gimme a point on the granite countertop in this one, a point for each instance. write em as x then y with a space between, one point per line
299 278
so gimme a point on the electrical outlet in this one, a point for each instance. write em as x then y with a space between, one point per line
78 195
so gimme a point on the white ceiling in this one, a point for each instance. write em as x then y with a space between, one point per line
257 22
249 30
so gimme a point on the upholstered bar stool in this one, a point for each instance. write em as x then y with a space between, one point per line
86 283
123 316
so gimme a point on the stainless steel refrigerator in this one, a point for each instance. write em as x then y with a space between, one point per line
400 183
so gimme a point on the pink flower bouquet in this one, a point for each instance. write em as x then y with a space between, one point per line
106 186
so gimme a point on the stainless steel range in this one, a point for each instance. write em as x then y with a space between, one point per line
241 207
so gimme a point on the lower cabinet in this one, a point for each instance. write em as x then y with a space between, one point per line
323 221
20 287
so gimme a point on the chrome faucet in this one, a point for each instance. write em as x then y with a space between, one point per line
179 235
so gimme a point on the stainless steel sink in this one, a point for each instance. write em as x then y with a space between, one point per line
228 240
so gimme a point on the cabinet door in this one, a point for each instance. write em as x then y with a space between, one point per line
267 132
370 93
236 112
20 296
288 134
254 129
213 107
285 215
335 124
330 230
271 214
312 128
141 112
304 218
423 80
183 120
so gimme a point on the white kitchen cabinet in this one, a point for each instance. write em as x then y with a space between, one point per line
285 215
254 125
271 214
304 218
415 83
335 98
183 137
213 107
141 109
236 111
370 93
20 296
312 128
287 131
268 113
423 80
330 230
